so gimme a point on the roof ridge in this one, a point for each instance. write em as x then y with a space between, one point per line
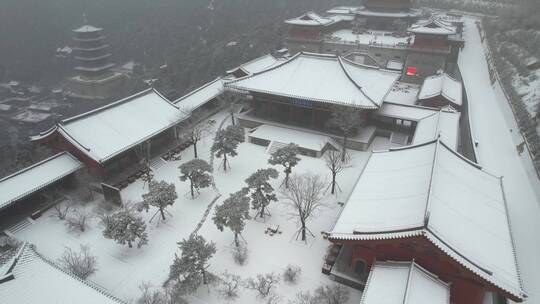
509 223
197 90
431 182
408 286
356 84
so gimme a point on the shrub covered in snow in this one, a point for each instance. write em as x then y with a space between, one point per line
291 274
264 284
229 286
240 254
82 263
61 210
78 221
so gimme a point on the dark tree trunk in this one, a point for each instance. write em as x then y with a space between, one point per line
162 213
205 279
288 171
192 190
195 149
303 231
236 242
129 244
344 148
232 117
225 162
333 182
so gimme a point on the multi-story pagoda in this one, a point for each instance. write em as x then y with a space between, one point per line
94 78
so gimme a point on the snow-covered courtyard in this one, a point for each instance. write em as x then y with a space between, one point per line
121 270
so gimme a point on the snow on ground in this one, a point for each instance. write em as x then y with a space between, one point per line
496 130
372 37
121 269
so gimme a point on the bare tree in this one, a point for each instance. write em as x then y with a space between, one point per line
79 221
151 295
264 284
346 122
335 163
82 263
197 127
305 195
231 100
229 286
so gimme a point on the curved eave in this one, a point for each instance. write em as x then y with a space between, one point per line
93 58
325 101
390 235
99 38
480 271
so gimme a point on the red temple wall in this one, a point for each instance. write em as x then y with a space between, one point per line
430 42
466 287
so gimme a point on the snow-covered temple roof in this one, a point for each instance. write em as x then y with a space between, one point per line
29 180
32 278
87 29
108 131
200 96
404 283
431 191
405 13
444 125
322 78
314 19
343 10
442 85
258 64
433 26
430 123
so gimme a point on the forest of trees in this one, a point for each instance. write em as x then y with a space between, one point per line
189 36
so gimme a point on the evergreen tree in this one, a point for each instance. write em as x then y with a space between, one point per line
233 214
226 143
198 173
262 192
161 194
125 227
189 269
287 157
